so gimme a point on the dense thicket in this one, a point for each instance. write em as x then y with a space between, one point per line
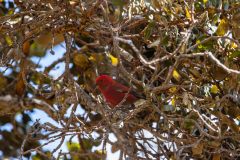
183 56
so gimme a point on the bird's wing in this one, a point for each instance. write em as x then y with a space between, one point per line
123 89
120 88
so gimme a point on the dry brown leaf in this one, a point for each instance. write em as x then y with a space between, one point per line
216 156
197 150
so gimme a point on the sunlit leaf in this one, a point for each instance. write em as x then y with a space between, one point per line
36 158
173 101
176 75
188 15
234 54
233 45
96 58
100 152
214 89
200 46
73 146
9 41
113 59
222 27
38 78
10 12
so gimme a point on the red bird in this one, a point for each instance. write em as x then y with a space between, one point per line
114 92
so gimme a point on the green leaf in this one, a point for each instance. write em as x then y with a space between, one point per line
119 2
148 30
37 50
38 78
188 124
73 146
9 41
234 54
222 27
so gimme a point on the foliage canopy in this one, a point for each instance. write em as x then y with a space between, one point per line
183 56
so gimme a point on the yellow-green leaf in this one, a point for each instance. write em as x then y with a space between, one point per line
113 59
37 50
200 46
188 15
119 2
96 58
148 30
100 152
233 45
222 28
73 146
214 89
176 75
172 89
9 41
173 101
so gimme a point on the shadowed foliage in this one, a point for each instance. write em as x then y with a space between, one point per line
183 57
